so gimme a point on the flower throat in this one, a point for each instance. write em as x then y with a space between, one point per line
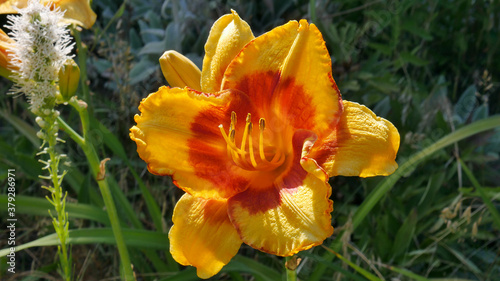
247 159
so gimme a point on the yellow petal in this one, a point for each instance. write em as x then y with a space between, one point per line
5 44
288 70
227 37
202 235
180 71
77 11
178 134
363 144
291 215
7 6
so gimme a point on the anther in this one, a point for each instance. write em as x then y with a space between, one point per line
233 118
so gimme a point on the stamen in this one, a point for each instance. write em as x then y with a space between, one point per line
246 158
245 133
250 146
262 126
228 140
233 119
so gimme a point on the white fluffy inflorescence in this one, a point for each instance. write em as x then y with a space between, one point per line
42 45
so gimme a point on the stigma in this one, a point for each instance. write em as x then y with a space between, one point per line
246 155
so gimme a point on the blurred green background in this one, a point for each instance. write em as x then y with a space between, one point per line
430 67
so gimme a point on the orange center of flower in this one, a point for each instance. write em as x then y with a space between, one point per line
246 158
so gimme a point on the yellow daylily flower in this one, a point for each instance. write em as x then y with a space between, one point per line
77 12
5 44
265 185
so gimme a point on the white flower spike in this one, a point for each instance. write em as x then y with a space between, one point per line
42 45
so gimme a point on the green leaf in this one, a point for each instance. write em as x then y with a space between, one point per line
154 48
408 57
405 234
358 269
188 274
142 70
244 264
337 268
465 105
468 263
384 49
40 206
113 143
133 238
412 26
26 129
408 273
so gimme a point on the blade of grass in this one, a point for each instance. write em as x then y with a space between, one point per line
404 235
39 206
358 269
188 274
244 264
484 196
388 183
347 274
407 273
112 142
24 128
468 263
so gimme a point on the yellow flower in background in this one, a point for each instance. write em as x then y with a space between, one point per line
5 44
254 149
77 12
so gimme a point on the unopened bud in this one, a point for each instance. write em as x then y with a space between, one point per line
467 214
40 135
474 229
69 77
39 120
180 71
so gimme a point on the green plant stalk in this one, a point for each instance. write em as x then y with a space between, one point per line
93 160
388 183
357 268
82 63
58 200
291 275
486 199
99 176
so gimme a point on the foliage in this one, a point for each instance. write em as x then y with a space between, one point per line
427 66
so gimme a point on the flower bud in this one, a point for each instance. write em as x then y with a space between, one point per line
69 76
180 71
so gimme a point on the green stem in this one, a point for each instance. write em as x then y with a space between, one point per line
49 130
73 135
291 274
82 63
98 174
